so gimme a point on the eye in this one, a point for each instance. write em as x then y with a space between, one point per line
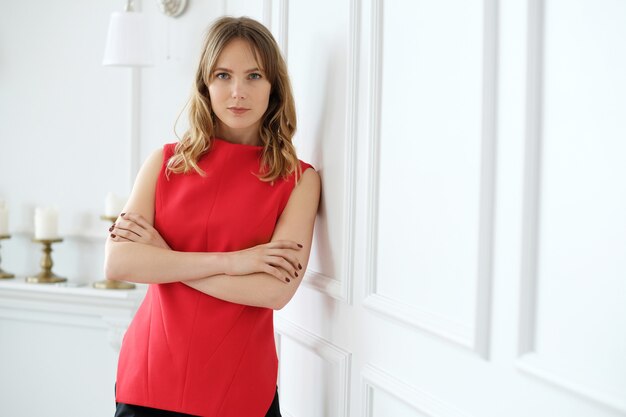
222 75
255 76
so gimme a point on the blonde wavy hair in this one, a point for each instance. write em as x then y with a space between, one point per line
278 126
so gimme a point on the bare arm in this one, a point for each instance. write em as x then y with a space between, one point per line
136 252
131 261
295 224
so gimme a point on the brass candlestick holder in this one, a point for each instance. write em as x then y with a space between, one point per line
3 274
46 276
108 284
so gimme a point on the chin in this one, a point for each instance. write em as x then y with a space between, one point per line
240 124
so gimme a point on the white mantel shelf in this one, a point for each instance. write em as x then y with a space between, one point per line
67 304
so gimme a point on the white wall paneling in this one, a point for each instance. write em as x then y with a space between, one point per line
55 340
323 66
398 398
281 29
404 225
70 306
134 128
322 369
267 13
566 346
531 181
255 9
64 124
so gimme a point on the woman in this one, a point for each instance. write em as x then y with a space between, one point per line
221 224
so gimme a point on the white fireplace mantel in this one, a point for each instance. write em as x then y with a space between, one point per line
65 304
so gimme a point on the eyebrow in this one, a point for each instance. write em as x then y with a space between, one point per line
229 70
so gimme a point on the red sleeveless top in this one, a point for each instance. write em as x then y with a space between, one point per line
186 351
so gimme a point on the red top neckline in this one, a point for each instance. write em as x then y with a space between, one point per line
242 145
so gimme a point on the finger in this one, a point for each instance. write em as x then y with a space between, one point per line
137 219
284 244
276 273
128 226
282 262
117 238
126 234
288 255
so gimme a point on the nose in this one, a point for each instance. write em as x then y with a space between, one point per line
238 91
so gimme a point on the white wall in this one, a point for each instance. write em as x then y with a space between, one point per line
58 348
468 256
63 121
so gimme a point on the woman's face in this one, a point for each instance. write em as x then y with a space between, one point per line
239 93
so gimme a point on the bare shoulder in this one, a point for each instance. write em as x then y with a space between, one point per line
149 171
307 191
310 181
142 196
297 219
155 159
303 202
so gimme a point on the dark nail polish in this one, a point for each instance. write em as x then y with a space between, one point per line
300 246
296 274
122 215
113 236
287 279
299 266
111 228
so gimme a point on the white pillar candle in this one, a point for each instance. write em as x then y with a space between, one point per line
4 219
46 223
113 205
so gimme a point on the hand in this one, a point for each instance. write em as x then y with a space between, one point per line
132 227
267 258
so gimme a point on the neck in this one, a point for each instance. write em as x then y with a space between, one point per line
248 136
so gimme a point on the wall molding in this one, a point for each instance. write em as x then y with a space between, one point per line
531 188
475 337
283 27
537 366
482 323
134 134
340 289
267 13
324 349
529 360
375 379
64 305
332 287
88 236
423 319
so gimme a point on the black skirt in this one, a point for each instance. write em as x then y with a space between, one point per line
129 410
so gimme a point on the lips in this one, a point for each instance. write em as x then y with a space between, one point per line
238 110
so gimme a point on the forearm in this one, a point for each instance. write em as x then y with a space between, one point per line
258 290
261 289
137 262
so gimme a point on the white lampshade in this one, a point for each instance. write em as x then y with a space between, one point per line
128 41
